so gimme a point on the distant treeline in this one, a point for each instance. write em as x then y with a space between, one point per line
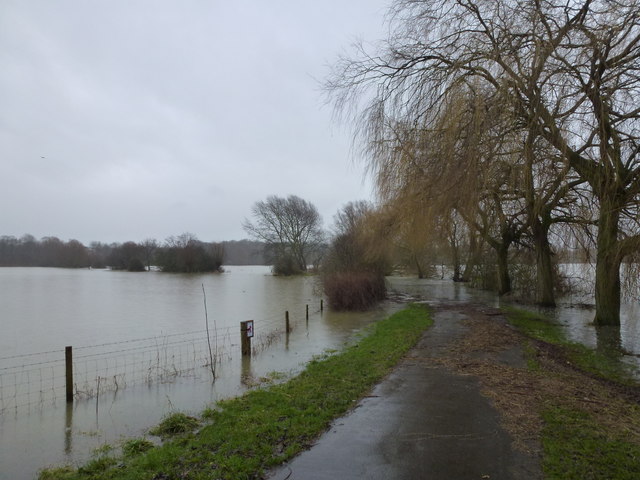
182 253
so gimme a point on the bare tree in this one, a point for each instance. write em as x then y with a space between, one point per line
357 258
350 216
149 247
566 71
291 228
349 249
185 253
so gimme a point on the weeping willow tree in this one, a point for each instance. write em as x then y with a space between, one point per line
458 166
567 73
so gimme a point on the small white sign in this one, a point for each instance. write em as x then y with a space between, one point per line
249 328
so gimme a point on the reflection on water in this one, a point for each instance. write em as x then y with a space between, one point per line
574 313
608 341
440 291
68 428
246 375
46 309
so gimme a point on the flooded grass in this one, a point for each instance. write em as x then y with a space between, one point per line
175 424
265 427
136 446
590 405
604 364
535 325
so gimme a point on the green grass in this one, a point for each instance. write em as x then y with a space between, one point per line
175 424
265 427
535 325
576 446
136 446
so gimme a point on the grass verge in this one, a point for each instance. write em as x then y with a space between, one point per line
591 424
576 445
263 428
605 365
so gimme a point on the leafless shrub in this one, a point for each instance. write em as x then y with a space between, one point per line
354 290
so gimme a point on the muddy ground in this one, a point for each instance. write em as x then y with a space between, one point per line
499 356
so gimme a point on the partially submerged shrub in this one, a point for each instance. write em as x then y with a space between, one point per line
286 265
209 413
58 473
102 450
136 265
136 446
175 424
97 466
354 290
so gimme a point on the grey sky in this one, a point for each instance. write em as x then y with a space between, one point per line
159 117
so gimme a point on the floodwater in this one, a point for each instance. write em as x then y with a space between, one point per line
576 312
141 351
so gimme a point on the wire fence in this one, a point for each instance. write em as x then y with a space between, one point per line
37 380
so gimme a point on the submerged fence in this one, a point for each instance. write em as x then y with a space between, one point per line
36 380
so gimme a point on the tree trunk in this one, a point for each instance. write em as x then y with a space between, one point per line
607 266
472 258
456 262
504 280
545 294
419 267
609 341
545 291
457 276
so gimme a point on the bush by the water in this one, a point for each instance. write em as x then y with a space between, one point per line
354 290
285 265
175 424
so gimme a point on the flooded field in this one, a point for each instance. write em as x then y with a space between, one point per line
140 349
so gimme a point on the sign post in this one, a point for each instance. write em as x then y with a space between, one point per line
68 358
246 334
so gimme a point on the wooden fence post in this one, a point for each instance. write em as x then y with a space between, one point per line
286 317
68 361
246 332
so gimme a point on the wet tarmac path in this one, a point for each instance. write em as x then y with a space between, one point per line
423 421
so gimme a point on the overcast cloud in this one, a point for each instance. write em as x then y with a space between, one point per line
124 120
